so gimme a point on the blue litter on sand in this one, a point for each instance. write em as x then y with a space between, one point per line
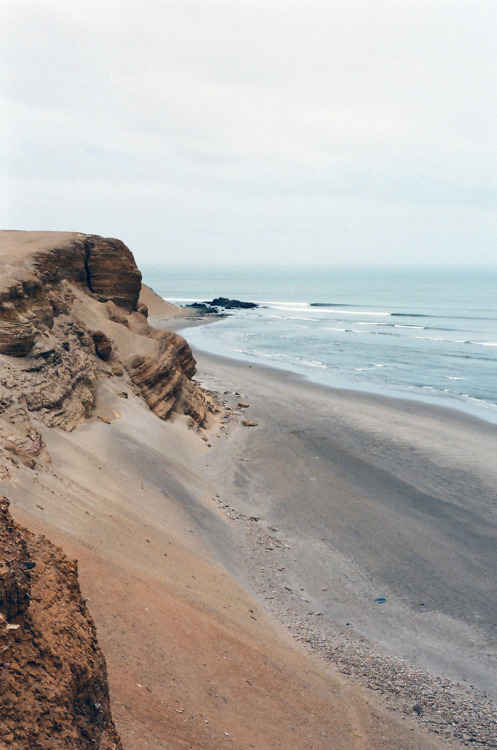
380 600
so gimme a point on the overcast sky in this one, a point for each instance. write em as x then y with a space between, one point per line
338 131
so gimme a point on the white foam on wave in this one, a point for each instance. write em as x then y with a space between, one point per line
311 363
359 312
286 307
174 300
295 317
460 341
304 306
434 338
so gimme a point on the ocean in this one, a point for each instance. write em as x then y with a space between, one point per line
422 333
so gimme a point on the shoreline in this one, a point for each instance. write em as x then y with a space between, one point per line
181 324
425 571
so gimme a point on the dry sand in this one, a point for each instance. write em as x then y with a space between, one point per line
194 661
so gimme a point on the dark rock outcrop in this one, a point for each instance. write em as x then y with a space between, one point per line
54 678
232 304
17 336
223 302
164 380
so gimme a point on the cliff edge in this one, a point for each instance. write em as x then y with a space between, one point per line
70 315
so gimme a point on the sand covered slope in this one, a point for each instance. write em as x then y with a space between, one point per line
105 440
69 317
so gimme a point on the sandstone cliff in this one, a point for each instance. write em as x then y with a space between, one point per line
69 315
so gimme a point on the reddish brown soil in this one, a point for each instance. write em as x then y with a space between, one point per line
54 690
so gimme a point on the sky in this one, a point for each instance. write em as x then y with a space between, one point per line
269 131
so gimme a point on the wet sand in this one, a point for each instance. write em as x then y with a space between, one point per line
363 498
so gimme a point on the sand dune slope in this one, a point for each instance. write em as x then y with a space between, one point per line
193 661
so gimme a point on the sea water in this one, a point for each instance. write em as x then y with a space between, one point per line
424 333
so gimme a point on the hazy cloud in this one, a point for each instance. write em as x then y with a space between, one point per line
359 130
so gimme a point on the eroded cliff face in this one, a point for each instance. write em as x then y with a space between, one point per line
54 690
31 275
69 315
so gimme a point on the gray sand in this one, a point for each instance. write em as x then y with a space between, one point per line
366 497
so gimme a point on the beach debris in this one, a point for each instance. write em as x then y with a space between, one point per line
12 626
380 600
248 423
122 394
243 405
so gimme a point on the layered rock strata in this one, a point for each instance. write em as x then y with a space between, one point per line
103 268
54 678
69 315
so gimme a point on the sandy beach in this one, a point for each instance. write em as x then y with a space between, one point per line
376 526
391 498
